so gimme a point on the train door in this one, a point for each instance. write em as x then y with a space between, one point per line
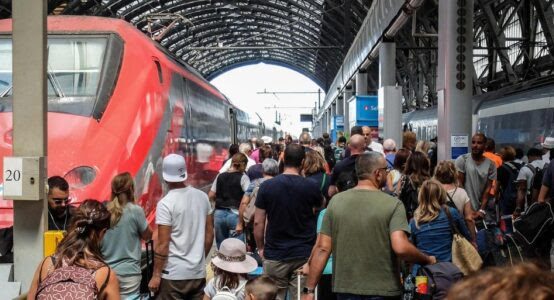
233 125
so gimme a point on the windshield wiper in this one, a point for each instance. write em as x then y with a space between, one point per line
53 79
6 91
55 83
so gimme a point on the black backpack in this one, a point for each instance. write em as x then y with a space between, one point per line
539 174
440 278
408 196
535 224
509 192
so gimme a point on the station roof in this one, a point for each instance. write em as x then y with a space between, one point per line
214 36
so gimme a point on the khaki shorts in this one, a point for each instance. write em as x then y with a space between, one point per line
182 289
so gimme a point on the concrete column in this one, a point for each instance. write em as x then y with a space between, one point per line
329 118
390 96
324 122
340 105
348 93
361 84
454 82
29 134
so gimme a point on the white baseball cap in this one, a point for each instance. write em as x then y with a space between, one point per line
174 168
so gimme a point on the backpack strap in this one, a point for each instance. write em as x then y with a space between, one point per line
105 284
450 200
532 168
42 265
451 221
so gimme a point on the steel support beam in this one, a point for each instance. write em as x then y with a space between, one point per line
499 40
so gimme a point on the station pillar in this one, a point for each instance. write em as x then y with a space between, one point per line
390 96
347 96
454 82
361 84
29 130
340 105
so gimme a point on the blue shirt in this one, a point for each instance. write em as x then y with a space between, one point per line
435 237
390 159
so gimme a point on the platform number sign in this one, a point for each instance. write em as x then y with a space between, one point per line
12 177
459 144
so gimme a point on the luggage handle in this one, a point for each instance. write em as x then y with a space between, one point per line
298 283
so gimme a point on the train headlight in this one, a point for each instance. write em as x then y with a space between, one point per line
80 177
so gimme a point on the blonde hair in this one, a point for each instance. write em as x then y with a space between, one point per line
423 147
313 163
239 162
431 198
123 192
523 281
445 172
409 140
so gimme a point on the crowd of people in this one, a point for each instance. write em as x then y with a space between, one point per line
351 219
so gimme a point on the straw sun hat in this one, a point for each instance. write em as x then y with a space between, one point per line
232 257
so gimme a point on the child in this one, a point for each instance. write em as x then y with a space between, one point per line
230 265
261 288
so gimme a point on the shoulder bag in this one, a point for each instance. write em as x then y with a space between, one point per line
464 255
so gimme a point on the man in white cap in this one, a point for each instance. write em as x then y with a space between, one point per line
547 147
185 236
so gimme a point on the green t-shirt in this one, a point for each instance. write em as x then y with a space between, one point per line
359 223
121 244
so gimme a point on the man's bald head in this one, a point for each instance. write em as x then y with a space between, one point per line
357 144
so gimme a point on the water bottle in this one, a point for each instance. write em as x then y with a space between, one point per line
409 288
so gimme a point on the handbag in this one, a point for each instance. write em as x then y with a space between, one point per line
464 255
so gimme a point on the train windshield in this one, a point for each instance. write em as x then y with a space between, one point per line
75 73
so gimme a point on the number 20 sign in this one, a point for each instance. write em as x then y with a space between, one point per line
13 169
23 178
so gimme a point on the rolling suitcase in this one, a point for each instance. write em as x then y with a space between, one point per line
299 277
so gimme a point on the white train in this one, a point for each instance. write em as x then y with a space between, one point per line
511 116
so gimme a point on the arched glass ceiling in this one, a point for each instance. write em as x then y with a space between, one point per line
310 36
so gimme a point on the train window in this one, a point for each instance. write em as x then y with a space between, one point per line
159 69
81 73
74 66
5 67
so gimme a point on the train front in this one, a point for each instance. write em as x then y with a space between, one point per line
82 71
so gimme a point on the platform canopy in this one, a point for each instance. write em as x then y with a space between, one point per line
214 36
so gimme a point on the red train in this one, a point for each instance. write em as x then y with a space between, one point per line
119 102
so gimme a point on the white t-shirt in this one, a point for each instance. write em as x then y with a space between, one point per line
526 174
375 146
185 210
210 289
459 197
546 157
227 165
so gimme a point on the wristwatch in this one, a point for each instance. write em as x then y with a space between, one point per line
307 290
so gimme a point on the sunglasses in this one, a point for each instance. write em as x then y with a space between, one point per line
60 200
387 170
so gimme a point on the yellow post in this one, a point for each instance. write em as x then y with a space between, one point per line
51 240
